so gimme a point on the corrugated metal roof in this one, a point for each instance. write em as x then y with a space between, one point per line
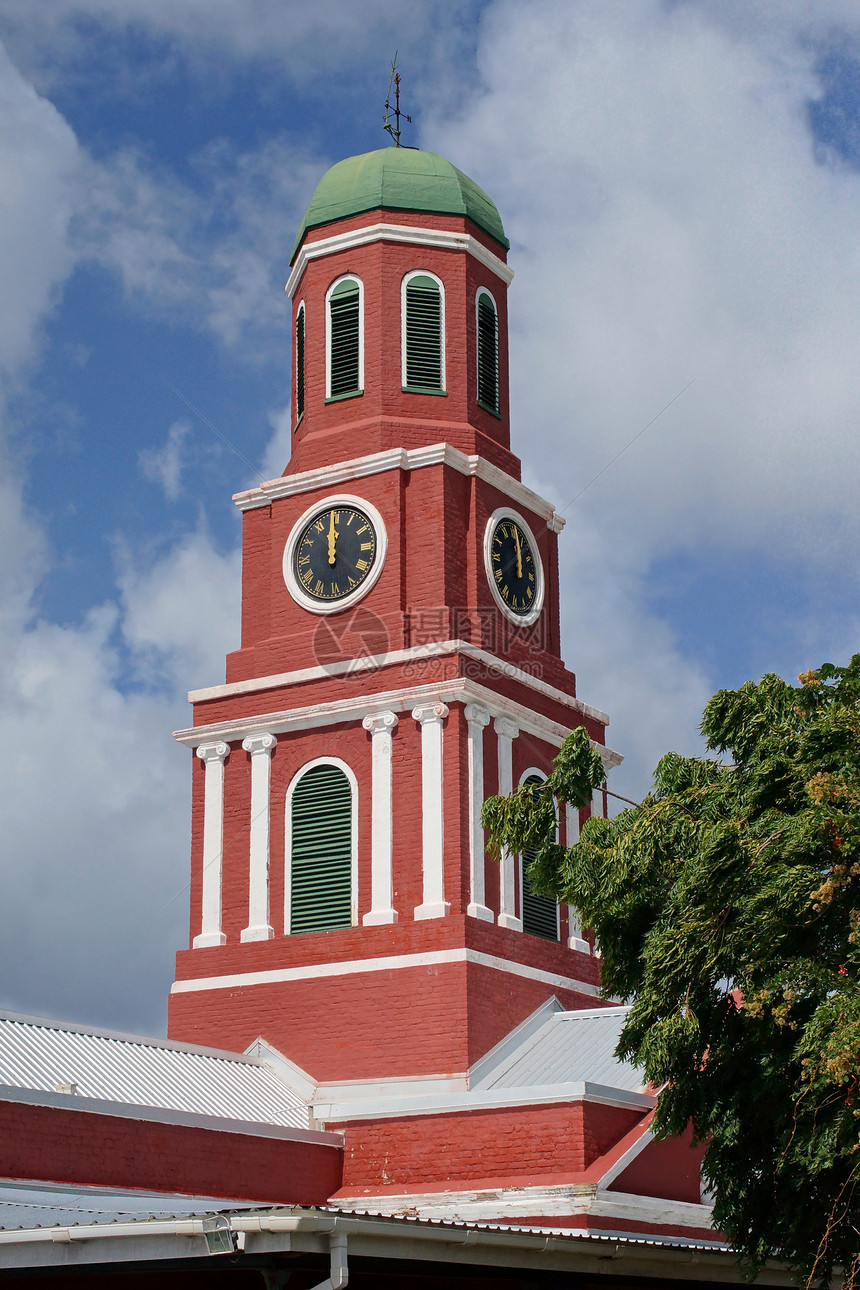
568 1048
25 1206
45 1056
30 1205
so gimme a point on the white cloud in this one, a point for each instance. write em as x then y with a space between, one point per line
164 465
209 250
657 176
39 158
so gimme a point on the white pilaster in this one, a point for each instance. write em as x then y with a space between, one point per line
575 939
506 733
477 718
430 718
597 801
380 725
259 928
212 756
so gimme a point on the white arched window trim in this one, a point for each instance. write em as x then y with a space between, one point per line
527 774
288 835
300 310
485 291
344 277
407 278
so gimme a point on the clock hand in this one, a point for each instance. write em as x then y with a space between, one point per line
519 552
333 535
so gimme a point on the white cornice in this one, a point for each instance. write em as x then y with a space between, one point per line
519 1204
387 963
342 711
483 1099
372 662
441 239
434 454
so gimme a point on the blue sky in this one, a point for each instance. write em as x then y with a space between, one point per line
681 186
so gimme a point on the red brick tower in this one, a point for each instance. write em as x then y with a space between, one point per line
399 662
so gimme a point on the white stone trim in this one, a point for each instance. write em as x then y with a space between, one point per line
260 748
485 291
380 726
433 649
294 586
433 903
288 834
386 1107
407 278
212 755
536 770
506 732
344 277
435 454
521 1203
343 711
477 719
575 938
442 239
508 513
388 963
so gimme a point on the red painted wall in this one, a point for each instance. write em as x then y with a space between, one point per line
55 1144
505 1146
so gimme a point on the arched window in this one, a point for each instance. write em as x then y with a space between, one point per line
540 913
344 342
300 362
321 809
423 333
487 317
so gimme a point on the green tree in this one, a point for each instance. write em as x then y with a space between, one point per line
725 906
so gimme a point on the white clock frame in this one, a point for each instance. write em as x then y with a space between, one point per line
508 513
294 587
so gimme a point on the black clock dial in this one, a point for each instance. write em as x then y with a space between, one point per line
335 553
512 567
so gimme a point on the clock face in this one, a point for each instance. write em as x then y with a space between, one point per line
336 551
514 568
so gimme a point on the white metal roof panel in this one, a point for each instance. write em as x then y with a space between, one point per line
570 1047
30 1205
47 1056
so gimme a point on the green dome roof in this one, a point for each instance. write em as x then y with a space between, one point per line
401 179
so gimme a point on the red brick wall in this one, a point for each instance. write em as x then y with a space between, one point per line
528 1144
56 1144
670 1169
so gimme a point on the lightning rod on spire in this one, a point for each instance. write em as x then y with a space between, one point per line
394 130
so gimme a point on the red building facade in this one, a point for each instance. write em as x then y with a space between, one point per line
425 684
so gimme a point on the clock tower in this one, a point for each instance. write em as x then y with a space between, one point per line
399 662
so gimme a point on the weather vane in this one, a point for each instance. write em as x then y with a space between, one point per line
394 130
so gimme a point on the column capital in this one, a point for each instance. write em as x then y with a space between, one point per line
213 752
476 715
430 712
377 722
505 728
255 744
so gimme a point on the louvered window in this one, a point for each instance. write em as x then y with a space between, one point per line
300 364
540 913
488 352
422 334
321 851
344 307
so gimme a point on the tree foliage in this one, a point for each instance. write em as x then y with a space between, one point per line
726 910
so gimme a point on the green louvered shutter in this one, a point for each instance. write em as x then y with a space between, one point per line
488 353
300 364
345 320
423 334
321 852
540 913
